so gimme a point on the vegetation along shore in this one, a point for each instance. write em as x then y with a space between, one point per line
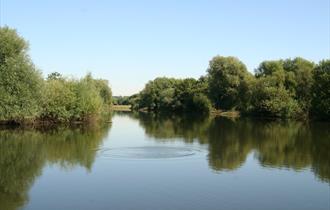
287 89
293 88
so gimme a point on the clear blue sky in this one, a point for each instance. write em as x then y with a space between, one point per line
131 42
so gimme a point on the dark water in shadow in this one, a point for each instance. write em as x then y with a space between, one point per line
143 161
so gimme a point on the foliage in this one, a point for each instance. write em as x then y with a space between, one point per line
279 89
321 90
120 100
283 88
104 91
25 95
291 88
169 94
227 76
299 81
20 82
271 99
69 99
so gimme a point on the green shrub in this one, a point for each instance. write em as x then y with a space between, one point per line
59 100
69 99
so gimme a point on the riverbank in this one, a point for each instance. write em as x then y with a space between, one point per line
125 108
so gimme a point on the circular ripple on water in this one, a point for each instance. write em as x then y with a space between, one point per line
148 152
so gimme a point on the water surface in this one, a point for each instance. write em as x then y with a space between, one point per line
143 161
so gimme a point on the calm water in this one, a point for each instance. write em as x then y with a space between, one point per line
151 162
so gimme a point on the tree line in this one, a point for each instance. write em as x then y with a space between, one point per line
26 96
290 88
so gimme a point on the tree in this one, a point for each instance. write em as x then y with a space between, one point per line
299 81
169 94
54 76
321 90
104 91
20 82
226 77
157 93
190 96
271 99
270 96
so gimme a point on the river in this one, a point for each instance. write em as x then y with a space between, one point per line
145 161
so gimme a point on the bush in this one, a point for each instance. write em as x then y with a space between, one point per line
271 100
69 99
58 100
201 104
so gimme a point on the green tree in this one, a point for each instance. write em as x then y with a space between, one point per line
88 99
270 97
321 90
168 94
227 76
190 96
299 81
20 82
54 76
104 91
157 93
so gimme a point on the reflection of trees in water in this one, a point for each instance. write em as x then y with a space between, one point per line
321 150
293 145
21 161
23 153
228 146
171 127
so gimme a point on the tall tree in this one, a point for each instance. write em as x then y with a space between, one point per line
20 82
227 76
299 81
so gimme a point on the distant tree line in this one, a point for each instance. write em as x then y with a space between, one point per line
121 100
291 88
25 95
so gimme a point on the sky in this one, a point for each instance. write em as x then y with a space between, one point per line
131 42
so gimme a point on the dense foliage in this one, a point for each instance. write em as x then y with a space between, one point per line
70 99
121 100
321 90
228 82
169 94
26 95
291 88
20 82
